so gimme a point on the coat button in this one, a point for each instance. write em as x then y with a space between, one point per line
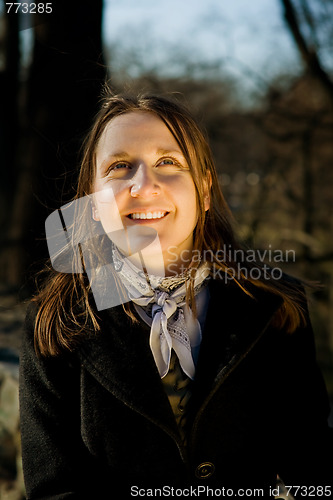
205 470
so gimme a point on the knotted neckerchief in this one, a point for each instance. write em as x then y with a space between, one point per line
165 311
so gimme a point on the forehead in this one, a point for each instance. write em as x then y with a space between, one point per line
133 129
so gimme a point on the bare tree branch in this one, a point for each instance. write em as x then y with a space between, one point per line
309 55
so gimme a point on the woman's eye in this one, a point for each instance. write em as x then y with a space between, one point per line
167 162
119 166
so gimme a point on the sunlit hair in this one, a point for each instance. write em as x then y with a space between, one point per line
66 308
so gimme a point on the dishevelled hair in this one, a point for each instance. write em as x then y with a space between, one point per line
65 306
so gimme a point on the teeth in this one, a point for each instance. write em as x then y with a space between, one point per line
148 215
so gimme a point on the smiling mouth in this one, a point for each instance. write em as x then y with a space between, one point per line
148 215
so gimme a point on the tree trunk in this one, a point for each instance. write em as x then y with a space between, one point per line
61 95
8 115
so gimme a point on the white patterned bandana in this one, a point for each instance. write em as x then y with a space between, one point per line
163 307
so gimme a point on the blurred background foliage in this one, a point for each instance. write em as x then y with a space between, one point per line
271 135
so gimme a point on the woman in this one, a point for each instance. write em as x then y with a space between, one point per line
197 374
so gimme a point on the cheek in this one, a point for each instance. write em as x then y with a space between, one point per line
189 203
107 209
108 196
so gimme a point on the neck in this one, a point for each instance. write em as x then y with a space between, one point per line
158 267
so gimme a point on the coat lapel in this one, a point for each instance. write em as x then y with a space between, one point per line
120 358
234 323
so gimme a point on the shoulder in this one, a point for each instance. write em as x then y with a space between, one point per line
29 352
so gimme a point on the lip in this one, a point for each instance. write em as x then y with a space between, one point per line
146 211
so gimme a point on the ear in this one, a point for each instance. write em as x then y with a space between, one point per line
207 190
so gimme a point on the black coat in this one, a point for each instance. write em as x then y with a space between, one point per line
98 421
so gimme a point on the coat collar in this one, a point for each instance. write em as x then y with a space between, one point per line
235 322
119 356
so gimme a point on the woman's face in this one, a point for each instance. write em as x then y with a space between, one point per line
140 160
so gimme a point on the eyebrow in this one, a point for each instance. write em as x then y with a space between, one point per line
159 152
163 152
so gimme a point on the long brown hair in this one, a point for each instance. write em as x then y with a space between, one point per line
65 308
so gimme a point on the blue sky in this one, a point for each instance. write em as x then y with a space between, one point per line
240 34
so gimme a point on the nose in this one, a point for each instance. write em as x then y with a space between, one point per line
144 183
